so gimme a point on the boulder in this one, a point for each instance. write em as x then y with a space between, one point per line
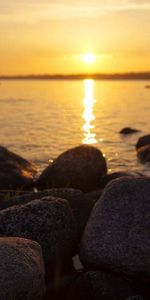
15 171
81 204
22 269
117 234
82 168
50 223
99 285
143 153
143 141
128 130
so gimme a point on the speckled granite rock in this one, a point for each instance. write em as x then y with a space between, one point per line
117 236
22 274
49 222
143 141
82 168
80 203
15 171
99 285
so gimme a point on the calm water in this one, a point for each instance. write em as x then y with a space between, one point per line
40 119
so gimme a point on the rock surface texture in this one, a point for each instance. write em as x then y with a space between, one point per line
117 236
50 223
22 274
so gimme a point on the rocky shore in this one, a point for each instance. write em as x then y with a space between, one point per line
74 231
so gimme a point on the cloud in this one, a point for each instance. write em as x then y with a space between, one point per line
35 11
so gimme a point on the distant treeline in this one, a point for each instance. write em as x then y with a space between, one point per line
97 76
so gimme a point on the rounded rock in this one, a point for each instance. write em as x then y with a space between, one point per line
117 234
22 269
143 141
82 167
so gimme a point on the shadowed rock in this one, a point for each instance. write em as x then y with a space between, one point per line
143 153
81 168
49 222
137 297
95 285
143 141
15 171
80 203
117 234
22 269
128 130
109 177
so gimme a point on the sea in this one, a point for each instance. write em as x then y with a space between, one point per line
39 119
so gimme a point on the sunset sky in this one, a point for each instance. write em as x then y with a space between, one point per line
53 36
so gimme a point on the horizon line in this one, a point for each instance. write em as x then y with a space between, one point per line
115 75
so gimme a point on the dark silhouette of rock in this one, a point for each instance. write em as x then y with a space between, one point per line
137 297
143 141
50 223
15 171
116 236
143 153
109 177
22 269
95 285
82 167
128 130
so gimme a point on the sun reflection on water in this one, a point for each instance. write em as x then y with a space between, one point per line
88 114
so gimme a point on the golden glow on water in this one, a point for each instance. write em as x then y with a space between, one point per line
88 114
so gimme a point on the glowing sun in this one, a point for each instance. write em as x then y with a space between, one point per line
89 58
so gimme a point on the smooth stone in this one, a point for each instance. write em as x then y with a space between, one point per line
15 171
22 269
95 285
117 234
143 153
82 168
143 141
128 130
49 222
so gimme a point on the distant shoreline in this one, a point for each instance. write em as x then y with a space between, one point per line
116 76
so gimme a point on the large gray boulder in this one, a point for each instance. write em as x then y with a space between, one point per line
50 223
117 236
22 274
15 171
99 285
82 167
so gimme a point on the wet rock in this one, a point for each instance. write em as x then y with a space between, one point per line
81 204
22 269
143 153
116 236
143 141
15 171
95 285
50 223
81 168
128 130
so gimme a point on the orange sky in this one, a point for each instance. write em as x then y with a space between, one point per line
51 36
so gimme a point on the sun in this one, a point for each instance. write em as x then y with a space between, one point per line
89 58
